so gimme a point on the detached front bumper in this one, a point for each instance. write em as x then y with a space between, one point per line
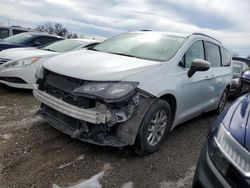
92 125
90 115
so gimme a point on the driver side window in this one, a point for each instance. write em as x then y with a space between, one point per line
195 51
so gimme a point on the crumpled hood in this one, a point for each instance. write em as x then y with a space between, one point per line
98 66
14 54
236 120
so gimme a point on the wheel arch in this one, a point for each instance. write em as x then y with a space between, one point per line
171 99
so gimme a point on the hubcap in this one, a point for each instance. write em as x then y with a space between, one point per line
157 127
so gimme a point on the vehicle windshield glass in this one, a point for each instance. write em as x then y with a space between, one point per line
149 46
237 68
64 45
19 38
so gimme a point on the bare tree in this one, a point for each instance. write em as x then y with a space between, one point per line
60 30
53 28
75 35
72 35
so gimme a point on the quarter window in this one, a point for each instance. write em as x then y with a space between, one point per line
213 54
226 57
195 51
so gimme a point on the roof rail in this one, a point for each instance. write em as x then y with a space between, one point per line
145 30
206 36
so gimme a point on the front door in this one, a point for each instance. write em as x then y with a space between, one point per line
194 96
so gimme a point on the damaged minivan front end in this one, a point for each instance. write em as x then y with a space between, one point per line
103 113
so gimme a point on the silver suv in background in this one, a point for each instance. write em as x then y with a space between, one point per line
134 88
237 87
13 30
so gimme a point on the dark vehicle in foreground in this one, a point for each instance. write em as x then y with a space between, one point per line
225 158
27 39
237 87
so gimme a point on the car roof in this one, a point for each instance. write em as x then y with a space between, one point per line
162 33
184 35
242 59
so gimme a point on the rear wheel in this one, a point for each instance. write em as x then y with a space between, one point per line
237 92
154 127
223 101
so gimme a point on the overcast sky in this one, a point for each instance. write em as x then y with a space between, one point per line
227 20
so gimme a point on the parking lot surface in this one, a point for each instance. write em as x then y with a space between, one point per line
33 154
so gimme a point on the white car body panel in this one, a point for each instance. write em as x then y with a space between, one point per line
26 73
98 66
24 53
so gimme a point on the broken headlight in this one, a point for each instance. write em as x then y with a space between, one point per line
107 90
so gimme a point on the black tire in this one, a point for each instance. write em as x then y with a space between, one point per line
142 145
237 92
223 101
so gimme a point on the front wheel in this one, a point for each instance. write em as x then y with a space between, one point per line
223 101
154 127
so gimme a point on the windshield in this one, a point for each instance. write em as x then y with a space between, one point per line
19 38
64 45
149 46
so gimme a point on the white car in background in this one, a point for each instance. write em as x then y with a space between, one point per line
18 66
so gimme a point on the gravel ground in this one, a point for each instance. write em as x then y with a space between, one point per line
33 154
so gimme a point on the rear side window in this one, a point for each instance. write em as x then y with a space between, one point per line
4 33
226 57
195 51
213 54
16 31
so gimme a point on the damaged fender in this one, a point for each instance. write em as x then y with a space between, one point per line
128 130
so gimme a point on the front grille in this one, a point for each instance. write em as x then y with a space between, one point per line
97 134
62 87
2 60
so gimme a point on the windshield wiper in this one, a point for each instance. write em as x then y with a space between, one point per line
50 50
91 48
128 55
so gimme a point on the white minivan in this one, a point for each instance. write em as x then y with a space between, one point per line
134 88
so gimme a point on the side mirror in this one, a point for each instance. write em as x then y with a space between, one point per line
245 77
37 44
198 65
